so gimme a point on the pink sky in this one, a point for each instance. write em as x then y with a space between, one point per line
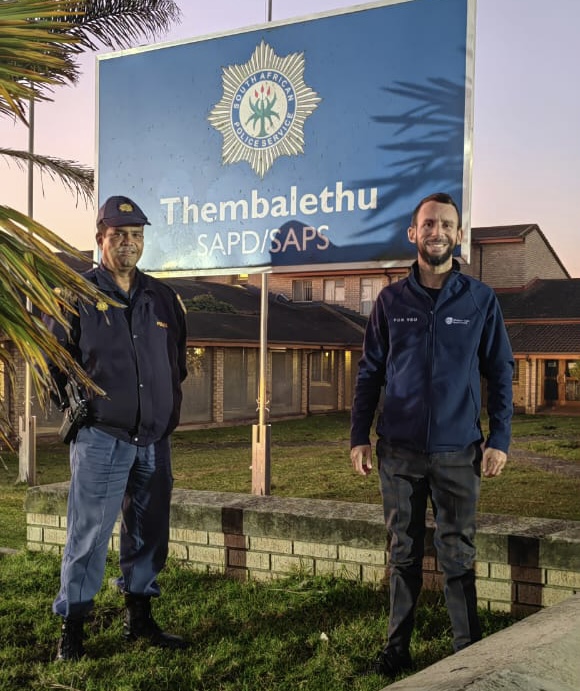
526 165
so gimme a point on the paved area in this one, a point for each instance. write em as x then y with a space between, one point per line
546 463
539 653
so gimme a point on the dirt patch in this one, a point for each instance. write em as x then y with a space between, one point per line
545 463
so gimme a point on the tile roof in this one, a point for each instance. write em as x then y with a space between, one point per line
304 324
514 232
543 299
502 232
244 299
320 324
545 338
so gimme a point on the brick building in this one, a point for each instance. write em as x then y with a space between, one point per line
316 324
541 305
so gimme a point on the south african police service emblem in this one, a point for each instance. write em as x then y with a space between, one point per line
263 109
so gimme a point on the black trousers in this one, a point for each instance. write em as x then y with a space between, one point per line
451 480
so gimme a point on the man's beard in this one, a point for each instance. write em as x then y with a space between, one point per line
439 259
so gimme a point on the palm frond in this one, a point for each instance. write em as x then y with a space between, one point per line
35 51
77 178
40 41
30 270
119 23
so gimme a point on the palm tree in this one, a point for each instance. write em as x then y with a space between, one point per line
40 41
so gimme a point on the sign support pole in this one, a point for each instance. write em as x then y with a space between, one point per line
261 431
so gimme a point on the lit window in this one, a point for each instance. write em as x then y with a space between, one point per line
321 366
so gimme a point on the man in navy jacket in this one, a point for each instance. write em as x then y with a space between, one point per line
429 340
120 458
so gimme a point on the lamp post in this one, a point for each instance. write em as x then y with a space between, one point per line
27 423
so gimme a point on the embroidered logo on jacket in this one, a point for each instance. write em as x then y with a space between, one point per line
451 320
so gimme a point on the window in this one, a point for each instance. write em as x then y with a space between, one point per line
516 372
572 380
334 290
369 289
241 376
321 366
302 291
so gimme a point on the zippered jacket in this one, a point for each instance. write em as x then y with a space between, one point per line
430 358
137 354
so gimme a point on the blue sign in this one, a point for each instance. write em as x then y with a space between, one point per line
291 144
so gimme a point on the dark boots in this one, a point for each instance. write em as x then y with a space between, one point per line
70 645
139 623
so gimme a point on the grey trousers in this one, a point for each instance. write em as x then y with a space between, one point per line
451 480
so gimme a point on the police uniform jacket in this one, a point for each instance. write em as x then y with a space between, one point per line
430 357
136 353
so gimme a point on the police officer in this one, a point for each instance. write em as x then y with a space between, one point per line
120 459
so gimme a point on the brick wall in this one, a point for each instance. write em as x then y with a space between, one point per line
504 265
519 385
218 385
523 564
282 283
540 262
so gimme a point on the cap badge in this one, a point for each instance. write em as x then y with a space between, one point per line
125 207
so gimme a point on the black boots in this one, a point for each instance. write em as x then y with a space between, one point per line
391 662
70 645
139 623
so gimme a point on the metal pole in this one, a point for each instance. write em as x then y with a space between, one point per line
261 431
263 349
27 449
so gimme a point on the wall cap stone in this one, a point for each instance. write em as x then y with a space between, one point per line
346 523
539 653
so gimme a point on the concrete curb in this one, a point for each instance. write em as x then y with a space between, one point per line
539 653
7 551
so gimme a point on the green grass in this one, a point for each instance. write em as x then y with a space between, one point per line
314 634
249 636
310 459
554 436
525 491
553 426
